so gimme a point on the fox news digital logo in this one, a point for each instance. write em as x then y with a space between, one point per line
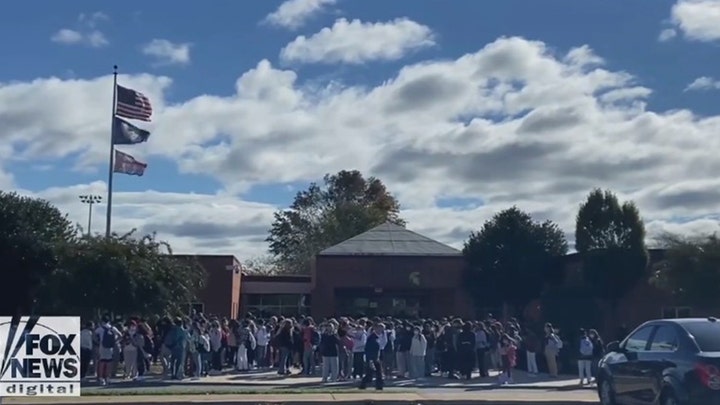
40 356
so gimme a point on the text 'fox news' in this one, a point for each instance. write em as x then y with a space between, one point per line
40 356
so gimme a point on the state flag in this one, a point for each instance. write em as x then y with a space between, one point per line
125 133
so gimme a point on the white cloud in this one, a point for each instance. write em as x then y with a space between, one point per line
225 224
704 83
667 34
698 20
91 20
85 34
167 53
66 36
355 42
512 123
293 14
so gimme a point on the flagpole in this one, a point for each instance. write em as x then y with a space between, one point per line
108 219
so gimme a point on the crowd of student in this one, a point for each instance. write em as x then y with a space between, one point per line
334 349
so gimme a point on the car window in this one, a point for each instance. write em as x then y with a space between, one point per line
706 334
665 339
638 340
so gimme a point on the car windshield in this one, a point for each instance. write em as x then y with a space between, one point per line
706 333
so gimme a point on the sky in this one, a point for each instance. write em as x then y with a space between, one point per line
463 108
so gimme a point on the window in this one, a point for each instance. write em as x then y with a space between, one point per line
706 334
665 339
638 340
277 304
290 300
676 312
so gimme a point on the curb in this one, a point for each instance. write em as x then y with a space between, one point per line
343 402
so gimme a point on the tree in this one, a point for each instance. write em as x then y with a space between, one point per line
30 231
512 258
691 270
262 265
610 238
121 274
571 307
345 205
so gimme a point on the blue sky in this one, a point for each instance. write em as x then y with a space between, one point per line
210 45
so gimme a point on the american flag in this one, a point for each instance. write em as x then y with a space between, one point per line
132 104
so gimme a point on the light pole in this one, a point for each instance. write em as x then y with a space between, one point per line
90 200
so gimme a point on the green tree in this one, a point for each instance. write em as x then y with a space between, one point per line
610 238
30 231
124 275
691 270
345 205
512 258
262 265
571 307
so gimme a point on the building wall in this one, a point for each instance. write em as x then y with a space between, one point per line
221 295
259 286
443 274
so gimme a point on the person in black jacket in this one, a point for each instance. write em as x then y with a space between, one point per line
284 339
329 350
450 357
598 351
466 351
387 355
403 341
373 367
430 336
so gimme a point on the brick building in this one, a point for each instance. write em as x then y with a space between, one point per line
221 295
391 270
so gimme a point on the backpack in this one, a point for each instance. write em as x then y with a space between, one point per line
108 338
251 342
554 343
203 344
586 347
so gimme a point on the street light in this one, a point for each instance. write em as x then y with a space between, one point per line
90 200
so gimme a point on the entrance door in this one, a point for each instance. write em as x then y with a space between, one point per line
369 302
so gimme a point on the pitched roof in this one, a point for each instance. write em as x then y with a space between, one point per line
389 239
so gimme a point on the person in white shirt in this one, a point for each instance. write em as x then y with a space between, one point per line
262 339
215 346
418 348
86 349
359 337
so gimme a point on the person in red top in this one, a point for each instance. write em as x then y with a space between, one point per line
310 338
508 352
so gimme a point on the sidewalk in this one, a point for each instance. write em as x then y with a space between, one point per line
268 381
425 398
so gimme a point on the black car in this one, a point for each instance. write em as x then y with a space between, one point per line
663 362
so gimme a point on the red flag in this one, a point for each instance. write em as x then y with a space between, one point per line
127 164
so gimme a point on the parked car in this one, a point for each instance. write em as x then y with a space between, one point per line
663 362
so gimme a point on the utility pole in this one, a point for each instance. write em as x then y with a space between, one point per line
90 200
